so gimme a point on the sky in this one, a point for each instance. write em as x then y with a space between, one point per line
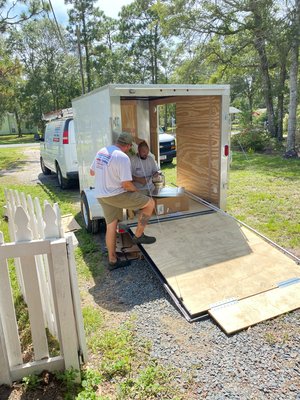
111 8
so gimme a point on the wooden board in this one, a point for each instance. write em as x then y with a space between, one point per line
198 143
198 137
129 116
252 310
209 258
69 223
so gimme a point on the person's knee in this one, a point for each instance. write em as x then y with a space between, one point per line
152 202
111 226
150 205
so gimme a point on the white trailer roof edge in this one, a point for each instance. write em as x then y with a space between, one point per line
161 90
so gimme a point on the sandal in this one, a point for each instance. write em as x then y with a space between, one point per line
118 264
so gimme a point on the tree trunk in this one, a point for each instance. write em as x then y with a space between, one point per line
292 122
80 59
87 55
260 46
156 40
18 123
266 81
280 111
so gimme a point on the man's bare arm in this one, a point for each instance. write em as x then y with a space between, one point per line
129 186
139 179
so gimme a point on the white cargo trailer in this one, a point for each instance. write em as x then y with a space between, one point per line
202 134
208 262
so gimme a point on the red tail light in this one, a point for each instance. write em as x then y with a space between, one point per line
226 150
66 137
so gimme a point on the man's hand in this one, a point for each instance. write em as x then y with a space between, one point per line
129 186
140 180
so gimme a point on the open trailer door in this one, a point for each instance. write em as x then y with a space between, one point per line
210 263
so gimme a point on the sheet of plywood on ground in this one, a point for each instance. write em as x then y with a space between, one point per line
209 258
69 223
129 116
257 308
198 134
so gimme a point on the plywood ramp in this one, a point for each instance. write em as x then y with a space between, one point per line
209 259
241 314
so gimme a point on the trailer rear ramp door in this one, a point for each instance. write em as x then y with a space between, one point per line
213 264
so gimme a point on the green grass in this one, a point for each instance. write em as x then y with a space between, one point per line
169 171
10 158
14 139
264 193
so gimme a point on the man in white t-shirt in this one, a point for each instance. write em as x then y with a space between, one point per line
143 168
115 191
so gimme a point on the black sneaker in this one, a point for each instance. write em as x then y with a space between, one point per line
118 264
143 239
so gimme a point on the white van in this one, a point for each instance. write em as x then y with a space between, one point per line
58 151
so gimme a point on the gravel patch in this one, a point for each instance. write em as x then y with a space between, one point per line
262 362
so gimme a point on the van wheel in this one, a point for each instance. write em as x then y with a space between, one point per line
63 182
91 225
45 170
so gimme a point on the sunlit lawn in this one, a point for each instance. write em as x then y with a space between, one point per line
264 192
14 139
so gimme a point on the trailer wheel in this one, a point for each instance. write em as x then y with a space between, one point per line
45 170
63 182
91 225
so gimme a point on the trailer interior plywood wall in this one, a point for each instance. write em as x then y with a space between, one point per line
198 142
198 137
129 116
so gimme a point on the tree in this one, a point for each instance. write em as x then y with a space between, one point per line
50 77
141 34
9 15
292 122
81 22
109 60
10 78
254 23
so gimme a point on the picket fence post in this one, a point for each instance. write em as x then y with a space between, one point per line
8 315
33 297
46 272
5 368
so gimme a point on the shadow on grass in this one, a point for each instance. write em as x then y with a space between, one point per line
268 164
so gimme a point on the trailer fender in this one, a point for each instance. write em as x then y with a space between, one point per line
91 210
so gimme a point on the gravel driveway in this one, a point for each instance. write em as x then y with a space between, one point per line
262 362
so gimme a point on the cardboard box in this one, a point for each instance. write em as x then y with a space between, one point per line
170 205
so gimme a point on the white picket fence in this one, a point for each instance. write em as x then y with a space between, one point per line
46 272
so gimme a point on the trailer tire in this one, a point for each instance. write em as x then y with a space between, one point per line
62 182
91 225
45 170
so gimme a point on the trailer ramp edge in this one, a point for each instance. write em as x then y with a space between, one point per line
208 258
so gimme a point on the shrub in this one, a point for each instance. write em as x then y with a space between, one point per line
251 140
